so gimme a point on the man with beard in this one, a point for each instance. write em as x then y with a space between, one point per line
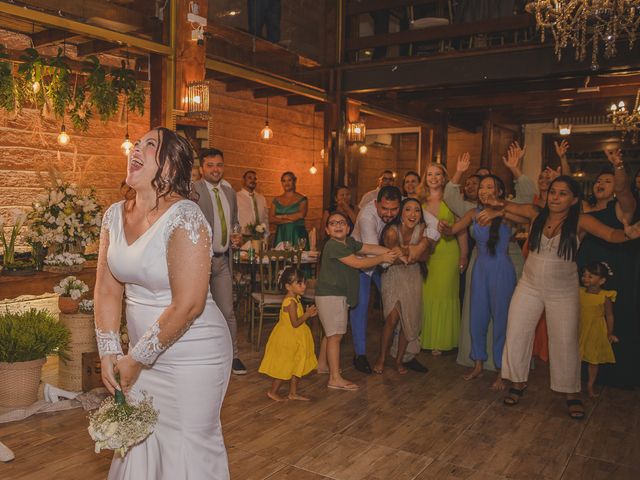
252 206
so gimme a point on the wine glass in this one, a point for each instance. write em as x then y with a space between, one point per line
287 245
302 242
236 241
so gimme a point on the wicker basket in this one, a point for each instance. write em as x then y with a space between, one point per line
19 382
83 339
62 268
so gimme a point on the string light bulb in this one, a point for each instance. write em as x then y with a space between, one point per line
313 170
266 133
35 86
363 149
63 137
127 145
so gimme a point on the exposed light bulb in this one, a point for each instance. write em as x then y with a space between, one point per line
363 149
35 86
266 133
126 146
197 100
564 130
63 137
313 170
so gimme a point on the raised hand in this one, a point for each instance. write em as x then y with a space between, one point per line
553 174
614 156
464 162
513 156
561 148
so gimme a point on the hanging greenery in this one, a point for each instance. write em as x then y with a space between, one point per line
49 85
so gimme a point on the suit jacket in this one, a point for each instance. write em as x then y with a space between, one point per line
205 202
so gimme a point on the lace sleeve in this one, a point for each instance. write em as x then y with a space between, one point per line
108 343
189 262
107 218
190 218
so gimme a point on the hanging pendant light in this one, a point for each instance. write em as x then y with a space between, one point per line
313 169
266 133
126 146
63 137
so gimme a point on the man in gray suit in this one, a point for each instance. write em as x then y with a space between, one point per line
218 203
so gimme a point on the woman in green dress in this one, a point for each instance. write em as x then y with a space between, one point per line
440 294
288 212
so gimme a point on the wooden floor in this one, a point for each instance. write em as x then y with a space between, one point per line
421 427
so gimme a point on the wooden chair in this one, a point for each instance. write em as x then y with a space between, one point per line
267 297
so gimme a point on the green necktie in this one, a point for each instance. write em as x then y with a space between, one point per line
255 207
223 220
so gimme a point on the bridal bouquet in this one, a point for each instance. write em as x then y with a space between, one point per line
118 425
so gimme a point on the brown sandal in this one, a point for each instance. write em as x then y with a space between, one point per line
515 394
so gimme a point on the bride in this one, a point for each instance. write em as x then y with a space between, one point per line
155 248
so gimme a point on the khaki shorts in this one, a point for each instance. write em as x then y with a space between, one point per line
334 314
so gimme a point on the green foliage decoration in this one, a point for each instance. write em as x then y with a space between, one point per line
47 84
32 335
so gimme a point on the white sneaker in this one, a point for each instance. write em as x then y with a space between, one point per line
53 394
6 455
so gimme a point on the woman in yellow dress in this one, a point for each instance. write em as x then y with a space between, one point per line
596 320
289 354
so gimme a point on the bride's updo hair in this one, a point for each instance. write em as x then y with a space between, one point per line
174 158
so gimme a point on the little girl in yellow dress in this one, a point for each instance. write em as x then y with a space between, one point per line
289 353
596 320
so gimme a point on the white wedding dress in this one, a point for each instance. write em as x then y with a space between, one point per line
189 379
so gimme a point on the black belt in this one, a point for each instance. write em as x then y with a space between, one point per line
222 254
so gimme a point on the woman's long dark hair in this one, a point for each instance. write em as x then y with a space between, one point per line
397 220
634 189
569 233
175 152
494 231
591 198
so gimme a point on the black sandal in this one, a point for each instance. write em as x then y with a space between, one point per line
515 394
575 414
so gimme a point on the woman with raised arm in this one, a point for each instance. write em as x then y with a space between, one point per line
612 203
550 283
155 249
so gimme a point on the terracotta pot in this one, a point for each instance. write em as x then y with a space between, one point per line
68 304
19 382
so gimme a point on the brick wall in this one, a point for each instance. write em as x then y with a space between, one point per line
370 165
237 121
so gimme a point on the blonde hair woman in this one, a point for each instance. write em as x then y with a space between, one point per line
440 294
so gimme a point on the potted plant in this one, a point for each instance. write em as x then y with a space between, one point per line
26 339
11 264
70 290
255 232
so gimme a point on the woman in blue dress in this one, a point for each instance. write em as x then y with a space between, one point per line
493 278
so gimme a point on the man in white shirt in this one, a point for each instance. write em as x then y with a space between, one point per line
367 229
385 179
252 206
217 201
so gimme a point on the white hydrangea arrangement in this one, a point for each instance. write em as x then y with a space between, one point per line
71 287
65 216
64 259
256 230
86 306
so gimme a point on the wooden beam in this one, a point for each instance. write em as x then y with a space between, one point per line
445 32
513 65
295 100
80 28
96 46
94 11
268 79
270 92
357 8
238 85
49 36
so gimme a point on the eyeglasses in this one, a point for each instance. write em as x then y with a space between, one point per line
337 223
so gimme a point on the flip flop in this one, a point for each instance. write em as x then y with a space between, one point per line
350 387
575 414
515 394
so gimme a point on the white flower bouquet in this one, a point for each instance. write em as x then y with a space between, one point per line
118 425
65 218
63 262
256 231
71 287
86 306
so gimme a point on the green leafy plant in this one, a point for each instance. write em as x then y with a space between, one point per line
7 85
124 81
104 96
31 335
32 70
59 86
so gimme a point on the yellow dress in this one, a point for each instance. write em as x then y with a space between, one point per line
289 351
594 343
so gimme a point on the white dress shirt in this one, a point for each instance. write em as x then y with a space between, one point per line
246 212
217 226
368 227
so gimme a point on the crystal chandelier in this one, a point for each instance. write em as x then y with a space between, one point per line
598 24
626 120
